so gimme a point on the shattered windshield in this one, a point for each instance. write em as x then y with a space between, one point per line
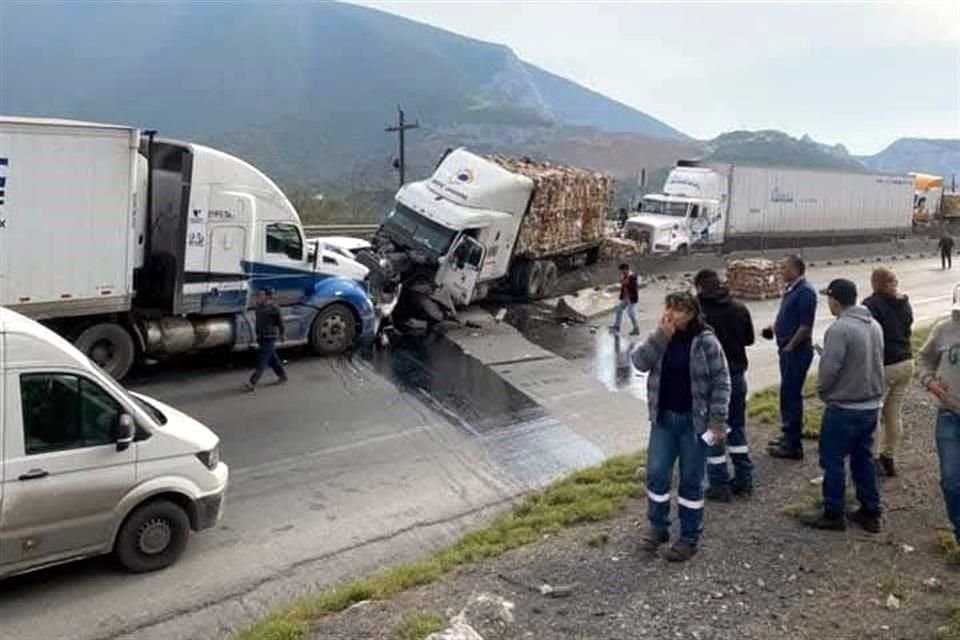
426 232
665 208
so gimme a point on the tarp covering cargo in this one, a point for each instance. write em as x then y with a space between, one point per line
568 209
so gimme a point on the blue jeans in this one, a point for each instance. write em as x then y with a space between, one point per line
736 443
672 437
948 449
794 366
631 309
267 357
848 432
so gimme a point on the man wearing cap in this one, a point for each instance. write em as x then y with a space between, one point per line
269 329
939 367
851 385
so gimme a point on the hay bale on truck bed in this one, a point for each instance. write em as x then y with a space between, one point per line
754 279
568 211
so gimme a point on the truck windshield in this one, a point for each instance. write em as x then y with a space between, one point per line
426 232
665 208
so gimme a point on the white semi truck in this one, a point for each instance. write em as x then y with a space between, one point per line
132 246
483 222
710 205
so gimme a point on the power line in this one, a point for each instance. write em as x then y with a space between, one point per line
400 128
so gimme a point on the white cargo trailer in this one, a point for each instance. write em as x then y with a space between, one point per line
740 206
132 246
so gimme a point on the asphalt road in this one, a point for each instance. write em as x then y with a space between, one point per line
358 463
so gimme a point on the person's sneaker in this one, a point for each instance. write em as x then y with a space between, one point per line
652 540
866 520
785 452
282 381
718 494
679 551
823 520
635 332
741 490
885 466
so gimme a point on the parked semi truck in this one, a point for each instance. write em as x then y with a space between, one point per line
132 246
706 205
480 223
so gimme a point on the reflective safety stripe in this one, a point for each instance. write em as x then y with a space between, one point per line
717 460
658 497
690 504
739 449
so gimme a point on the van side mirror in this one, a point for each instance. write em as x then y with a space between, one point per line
126 430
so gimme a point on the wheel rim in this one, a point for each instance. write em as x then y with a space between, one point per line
333 331
154 536
102 352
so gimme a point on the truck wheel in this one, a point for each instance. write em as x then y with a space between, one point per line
333 330
593 256
534 283
518 278
152 537
110 346
551 275
683 250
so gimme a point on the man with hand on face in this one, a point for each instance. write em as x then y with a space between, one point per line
688 395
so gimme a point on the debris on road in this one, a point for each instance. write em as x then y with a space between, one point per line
754 278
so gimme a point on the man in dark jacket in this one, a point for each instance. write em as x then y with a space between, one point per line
946 251
629 296
269 329
732 324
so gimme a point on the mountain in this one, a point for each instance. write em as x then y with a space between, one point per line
302 90
770 147
923 155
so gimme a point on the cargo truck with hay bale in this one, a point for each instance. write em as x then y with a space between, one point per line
481 223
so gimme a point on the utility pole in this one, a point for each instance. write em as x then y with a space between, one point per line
401 126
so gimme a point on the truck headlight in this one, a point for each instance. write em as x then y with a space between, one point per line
210 459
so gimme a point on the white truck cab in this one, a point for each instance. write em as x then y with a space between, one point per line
87 468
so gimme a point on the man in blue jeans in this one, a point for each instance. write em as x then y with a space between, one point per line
793 331
850 383
269 321
939 367
629 296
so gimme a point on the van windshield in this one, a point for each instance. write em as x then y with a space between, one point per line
665 207
421 230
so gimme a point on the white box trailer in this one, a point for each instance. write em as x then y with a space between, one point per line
741 206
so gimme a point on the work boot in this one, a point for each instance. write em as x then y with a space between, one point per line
885 466
785 452
635 332
867 520
718 494
823 520
679 551
652 540
741 490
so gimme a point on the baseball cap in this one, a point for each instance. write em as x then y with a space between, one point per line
843 291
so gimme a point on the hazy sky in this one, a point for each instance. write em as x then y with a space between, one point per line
860 73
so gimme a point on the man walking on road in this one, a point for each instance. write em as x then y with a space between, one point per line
733 326
851 385
793 331
269 330
629 296
892 310
946 250
939 362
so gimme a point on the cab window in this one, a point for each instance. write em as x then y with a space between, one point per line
62 411
285 239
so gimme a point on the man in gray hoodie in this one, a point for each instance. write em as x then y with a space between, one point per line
939 368
850 383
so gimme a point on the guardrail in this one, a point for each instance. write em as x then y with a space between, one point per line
353 230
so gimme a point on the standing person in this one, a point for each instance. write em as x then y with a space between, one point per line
622 217
733 326
939 362
892 310
793 331
851 385
269 330
688 392
629 296
946 250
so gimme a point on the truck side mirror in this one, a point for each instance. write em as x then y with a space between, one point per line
126 430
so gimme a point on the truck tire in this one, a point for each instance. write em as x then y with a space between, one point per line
683 250
534 282
110 346
518 277
593 256
152 537
551 276
333 330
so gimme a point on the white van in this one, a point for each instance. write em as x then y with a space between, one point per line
87 468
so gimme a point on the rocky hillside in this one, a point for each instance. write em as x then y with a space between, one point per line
924 155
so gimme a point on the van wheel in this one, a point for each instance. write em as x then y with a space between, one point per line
110 346
152 537
333 330
551 276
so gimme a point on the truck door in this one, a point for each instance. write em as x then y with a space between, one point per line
461 274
